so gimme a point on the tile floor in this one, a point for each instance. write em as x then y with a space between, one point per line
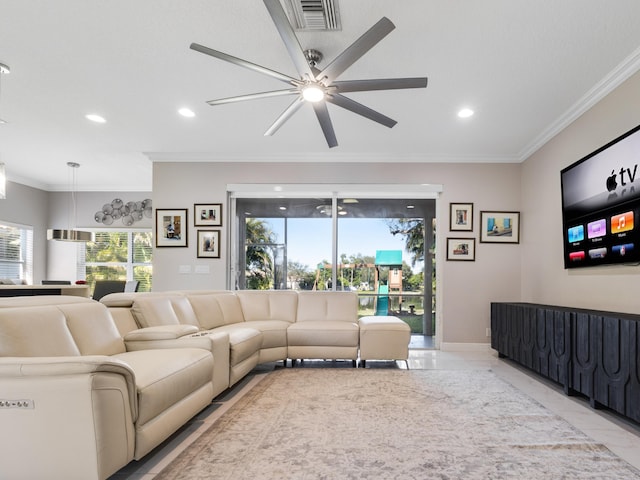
620 436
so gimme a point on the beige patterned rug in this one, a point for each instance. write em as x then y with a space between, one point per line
392 424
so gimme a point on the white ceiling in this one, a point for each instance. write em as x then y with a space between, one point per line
526 67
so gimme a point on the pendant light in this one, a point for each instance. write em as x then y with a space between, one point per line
72 234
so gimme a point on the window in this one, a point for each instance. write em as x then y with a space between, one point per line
16 252
118 255
378 247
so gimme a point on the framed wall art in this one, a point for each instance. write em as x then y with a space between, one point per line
461 217
499 227
207 214
208 243
171 227
463 249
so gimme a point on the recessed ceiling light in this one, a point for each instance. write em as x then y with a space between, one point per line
95 118
465 113
187 112
282 208
411 206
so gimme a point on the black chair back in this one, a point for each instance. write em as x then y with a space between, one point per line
105 287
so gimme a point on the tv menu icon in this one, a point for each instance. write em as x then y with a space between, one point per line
576 256
575 234
597 229
622 223
622 250
597 253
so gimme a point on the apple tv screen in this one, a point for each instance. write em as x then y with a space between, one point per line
601 205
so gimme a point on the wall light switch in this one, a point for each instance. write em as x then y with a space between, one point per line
202 269
185 269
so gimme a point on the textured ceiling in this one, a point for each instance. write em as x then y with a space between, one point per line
526 68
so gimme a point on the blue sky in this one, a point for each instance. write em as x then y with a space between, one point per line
309 240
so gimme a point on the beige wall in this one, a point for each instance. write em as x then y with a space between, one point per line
465 289
544 279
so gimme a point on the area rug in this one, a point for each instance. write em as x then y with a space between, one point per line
392 424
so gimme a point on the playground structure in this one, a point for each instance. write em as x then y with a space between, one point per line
391 259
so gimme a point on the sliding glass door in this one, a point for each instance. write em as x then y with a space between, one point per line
381 248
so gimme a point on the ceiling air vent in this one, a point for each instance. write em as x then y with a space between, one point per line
313 14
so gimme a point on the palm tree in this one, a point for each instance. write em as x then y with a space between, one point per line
259 254
412 229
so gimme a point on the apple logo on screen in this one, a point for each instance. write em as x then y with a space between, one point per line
611 182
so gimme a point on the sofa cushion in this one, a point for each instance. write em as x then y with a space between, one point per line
35 332
93 328
156 310
337 306
268 305
244 342
165 377
333 333
216 309
274 332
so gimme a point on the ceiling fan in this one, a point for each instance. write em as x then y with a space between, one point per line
316 86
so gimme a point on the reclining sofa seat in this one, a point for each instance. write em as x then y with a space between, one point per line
93 406
326 326
191 318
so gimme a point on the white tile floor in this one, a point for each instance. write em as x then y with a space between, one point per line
620 436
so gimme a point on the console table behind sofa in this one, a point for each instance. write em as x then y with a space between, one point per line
590 352
30 290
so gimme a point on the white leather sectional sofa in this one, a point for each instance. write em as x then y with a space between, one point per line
85 386
262 326
74 402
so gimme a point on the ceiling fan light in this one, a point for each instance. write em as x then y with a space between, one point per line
312 93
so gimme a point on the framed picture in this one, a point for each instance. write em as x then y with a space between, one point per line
171 227
461 217
463 249
499 227
208 243
207 214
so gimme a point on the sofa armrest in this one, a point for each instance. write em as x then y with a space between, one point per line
164 332
63 366
77 419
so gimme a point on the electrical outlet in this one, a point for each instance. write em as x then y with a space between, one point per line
21 403
488 332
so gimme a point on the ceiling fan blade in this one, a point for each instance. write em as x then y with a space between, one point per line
356 50
322 112
244 63
355 107
286 115
289 38
379 84
253 96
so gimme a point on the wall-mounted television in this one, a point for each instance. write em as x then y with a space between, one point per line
601 205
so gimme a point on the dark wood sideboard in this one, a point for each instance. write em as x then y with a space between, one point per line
588 352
